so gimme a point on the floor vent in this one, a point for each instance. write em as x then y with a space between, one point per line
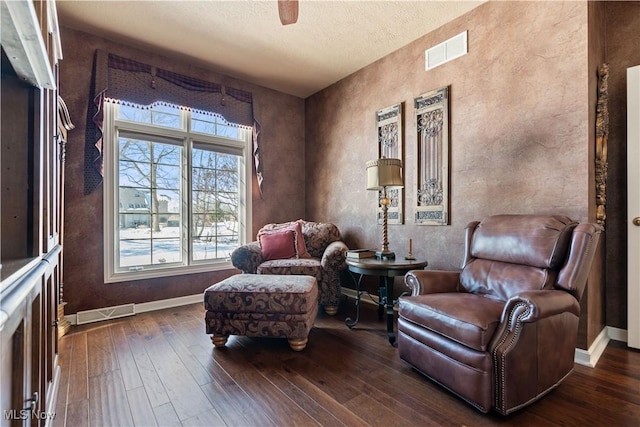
90 316
446 51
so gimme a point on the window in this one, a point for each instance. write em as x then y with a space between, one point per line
177 190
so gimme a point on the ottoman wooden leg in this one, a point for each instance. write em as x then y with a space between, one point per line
219 340
331 310
298 344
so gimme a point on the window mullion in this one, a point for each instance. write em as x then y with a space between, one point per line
186 203
185 185
111 205
149 129
186 120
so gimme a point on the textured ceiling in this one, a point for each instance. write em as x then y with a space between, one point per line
245 39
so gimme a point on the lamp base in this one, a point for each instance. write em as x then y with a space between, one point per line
385 255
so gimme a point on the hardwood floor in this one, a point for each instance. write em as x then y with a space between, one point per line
161 369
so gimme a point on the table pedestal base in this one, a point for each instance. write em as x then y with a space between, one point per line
387 271
385 305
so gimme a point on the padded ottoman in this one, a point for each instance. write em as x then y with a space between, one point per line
256 305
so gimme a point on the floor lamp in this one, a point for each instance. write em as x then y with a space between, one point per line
383 173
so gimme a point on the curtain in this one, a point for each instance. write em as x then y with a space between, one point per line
131 81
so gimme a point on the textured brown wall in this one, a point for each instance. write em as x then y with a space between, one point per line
283 197
622 52
520 127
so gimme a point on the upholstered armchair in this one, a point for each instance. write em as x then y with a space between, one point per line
324 258
502 332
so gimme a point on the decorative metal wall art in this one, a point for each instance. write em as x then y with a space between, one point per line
432 122
602 136
390 145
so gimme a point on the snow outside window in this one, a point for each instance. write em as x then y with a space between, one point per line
177 190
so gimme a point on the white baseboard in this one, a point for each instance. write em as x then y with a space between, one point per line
590 357
169 303
617 334
148 306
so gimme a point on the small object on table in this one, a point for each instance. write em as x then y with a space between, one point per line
410 256
360 253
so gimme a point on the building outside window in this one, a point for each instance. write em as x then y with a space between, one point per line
177 190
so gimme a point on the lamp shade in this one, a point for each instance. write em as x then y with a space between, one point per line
384 173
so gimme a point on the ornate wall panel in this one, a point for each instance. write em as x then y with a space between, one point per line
432 122
390 145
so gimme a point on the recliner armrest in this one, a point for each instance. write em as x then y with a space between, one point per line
533 347
532 306
333 257
247 257
431 281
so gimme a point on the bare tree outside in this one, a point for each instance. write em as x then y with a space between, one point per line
152 187
151 166
215 190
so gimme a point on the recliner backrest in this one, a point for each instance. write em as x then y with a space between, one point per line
507 254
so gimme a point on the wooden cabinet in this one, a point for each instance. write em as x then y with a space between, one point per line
30 212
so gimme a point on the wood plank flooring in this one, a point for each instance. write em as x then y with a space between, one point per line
160 369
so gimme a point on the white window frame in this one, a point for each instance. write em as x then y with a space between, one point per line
112 128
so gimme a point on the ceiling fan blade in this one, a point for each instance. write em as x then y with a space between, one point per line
288 10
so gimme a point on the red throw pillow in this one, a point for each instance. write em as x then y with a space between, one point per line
301 248
279 244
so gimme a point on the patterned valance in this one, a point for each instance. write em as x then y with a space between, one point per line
143 84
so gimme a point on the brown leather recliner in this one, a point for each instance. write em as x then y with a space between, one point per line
502 332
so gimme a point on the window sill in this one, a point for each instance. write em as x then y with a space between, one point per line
165 272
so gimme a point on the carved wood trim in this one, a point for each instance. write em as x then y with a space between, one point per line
602 137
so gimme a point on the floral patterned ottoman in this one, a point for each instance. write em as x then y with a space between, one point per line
256 305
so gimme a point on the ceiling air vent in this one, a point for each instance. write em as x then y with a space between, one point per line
446 51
